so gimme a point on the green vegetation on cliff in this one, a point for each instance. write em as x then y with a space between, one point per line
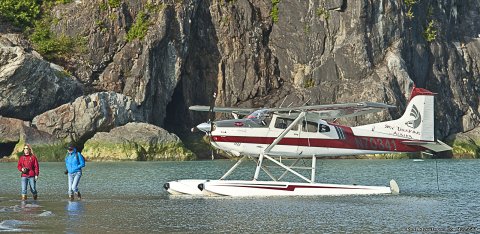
139 29
430 32
323 12
409 4
24 13
274 12
19 12
33 17
52 46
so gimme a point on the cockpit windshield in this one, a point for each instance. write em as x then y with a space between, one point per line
258 114
260 117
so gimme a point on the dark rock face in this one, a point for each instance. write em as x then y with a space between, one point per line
324 52
318 52
149 69
30 85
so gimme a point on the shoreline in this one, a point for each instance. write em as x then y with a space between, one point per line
363 157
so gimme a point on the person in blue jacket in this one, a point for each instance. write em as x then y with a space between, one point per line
74 162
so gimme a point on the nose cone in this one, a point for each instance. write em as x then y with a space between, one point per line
205 127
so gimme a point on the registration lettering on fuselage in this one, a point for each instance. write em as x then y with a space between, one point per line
373 143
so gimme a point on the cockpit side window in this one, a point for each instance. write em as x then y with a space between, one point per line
283 123
308 126
267 120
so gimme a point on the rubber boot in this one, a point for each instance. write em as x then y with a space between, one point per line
35 196
71 197
24 197
79 195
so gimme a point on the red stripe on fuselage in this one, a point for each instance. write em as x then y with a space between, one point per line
351 142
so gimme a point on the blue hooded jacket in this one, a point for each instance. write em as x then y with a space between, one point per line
74 162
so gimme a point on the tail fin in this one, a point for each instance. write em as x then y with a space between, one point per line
417 122
416 126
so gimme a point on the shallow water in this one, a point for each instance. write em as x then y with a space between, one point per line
128 197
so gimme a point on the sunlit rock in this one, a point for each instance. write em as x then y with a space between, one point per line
81 119
29 85
136 142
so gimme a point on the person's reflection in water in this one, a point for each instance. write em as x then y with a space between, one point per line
29 207
74 212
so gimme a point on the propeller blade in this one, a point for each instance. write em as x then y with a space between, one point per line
211 114
210 122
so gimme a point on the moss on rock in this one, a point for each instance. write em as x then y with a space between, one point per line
136 142
44 152
466 148
135 151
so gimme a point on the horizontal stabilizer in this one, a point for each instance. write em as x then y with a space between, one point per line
436 146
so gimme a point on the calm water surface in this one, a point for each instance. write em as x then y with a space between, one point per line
125 197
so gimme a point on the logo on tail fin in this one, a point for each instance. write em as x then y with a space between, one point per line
417 118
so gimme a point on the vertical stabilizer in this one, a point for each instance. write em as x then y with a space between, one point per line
418 118
416 123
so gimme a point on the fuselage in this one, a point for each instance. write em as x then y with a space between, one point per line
307 138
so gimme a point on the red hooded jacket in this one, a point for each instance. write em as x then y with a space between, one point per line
30 162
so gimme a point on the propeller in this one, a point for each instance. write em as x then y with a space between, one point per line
211 112
207 127
210 121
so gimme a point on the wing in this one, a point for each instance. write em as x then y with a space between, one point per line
330 111
236 110
333 111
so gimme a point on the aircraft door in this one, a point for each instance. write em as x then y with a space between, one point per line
289 144
308 135
238 145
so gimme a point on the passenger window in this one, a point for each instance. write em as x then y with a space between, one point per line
308 126
324 128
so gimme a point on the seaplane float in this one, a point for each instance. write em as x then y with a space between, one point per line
302 133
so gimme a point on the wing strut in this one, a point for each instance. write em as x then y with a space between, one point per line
274 143
287 168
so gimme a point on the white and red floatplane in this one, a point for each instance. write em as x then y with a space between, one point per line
302 133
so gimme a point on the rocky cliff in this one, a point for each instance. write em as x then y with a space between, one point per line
168 55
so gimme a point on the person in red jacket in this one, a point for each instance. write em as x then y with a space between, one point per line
28 166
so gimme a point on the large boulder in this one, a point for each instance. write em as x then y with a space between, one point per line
81 119
45 146
10 129
30 85
467 144
15 133
136 142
